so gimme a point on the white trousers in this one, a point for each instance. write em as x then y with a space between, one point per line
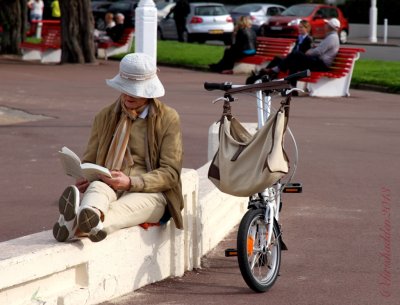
131 209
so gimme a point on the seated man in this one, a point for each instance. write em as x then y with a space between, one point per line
319 58
138 138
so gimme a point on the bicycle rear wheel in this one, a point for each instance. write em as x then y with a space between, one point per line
259 266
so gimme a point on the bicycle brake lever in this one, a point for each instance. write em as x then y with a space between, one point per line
294 89
221 99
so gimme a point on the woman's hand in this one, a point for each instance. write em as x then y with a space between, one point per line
82 184
118 182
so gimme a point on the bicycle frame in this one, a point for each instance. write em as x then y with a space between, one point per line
271 195
259 239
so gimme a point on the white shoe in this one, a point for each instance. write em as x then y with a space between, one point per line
68 205
89 221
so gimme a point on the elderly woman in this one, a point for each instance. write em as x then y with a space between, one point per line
139 139
244 45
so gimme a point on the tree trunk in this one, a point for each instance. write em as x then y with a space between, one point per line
77 26
13 17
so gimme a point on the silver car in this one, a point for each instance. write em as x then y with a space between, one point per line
206 21
258 12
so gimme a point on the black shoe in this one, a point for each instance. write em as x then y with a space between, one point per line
214 68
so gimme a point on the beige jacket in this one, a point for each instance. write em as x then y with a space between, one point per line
163 157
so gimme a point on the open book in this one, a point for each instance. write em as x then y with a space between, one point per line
73 166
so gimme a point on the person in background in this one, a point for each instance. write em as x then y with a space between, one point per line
55 10
181 11
36 9
139 139
303 43
244 45
108 23
116 32
319 58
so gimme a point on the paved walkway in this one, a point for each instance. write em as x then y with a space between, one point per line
342 232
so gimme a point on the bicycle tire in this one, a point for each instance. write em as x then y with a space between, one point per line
259 268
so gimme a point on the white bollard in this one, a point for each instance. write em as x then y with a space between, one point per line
373 17
39 26
385 30
146 28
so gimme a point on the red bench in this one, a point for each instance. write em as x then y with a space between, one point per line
39 28
48 50
267 48
110 48
336 81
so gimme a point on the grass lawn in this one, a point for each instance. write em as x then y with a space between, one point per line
377 72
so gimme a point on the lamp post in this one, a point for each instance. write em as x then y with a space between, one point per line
146 28
373 17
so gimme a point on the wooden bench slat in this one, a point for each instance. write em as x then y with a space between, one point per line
122 41
267 48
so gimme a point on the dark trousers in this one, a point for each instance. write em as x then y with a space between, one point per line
298 61
180 28
231 55
276 61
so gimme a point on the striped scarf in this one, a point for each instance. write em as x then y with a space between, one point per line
118 150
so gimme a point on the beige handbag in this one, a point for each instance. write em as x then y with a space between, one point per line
246 164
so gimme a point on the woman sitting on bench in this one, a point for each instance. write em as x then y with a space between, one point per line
244 45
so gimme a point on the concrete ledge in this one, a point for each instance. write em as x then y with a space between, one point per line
37 269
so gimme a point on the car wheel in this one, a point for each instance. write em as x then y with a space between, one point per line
343 37
189 37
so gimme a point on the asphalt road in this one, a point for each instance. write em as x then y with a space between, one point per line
342 232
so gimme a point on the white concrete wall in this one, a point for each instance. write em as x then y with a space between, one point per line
35 269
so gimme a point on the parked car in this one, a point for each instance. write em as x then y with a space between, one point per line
286 24
258 12
163 8
206 21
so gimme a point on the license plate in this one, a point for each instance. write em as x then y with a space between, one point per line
215 32
276 28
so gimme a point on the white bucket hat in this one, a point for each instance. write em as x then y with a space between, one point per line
334 23
137 77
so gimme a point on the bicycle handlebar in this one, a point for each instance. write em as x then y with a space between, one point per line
298 75
217 86
271 85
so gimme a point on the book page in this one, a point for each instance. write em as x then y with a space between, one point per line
70 162
92 171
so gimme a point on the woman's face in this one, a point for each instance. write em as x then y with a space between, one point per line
133 102
302 29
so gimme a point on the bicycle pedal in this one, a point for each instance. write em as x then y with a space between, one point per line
293 188
230 252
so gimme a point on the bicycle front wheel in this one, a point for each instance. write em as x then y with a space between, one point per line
258 263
